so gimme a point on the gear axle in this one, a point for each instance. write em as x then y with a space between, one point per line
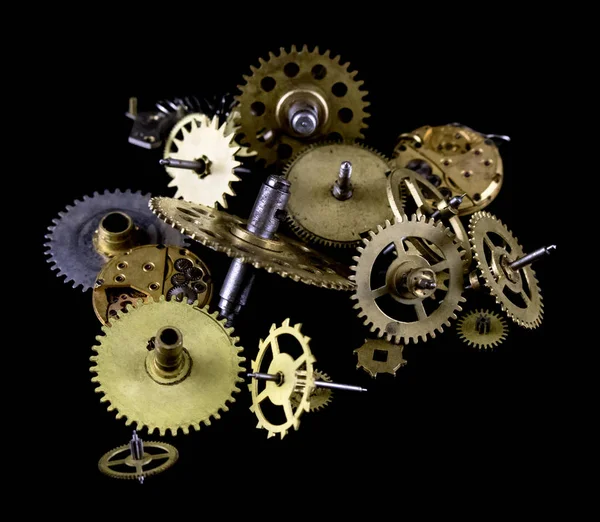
279 379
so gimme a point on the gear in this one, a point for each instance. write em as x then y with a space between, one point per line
232 127
181 292
195 138
119 299
160 458
316 215
225 233
148 271
297 98
463 160
482 329
378 356
297 377
404 295
319 397
516 291
427 200
71 244
181 384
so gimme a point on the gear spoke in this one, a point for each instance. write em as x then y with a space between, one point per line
489 243
112 463
300 361
378 292
289 412
439 267
275 346
262 395
525 298
421 313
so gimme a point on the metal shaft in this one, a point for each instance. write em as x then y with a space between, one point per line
197 165
168 348
318 384
451 209
530 258
136 446
303 118
342 188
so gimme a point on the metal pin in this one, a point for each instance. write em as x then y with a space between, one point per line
342 188
530 258
483 324
451 209
318 384
501 137
136 446
133 108
197 165
426 284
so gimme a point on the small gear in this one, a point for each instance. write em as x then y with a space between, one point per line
297 98
316 215
378 356
204 141
179 293
297 378
402 294
71 245
178 279
119 301
194 273
482 329
319 397
494 249
225 233
182 264
186 377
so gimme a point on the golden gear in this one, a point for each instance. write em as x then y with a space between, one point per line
494 248
167 455
231 127
319 397
145 272
299 78
182 386
465 161
378 356
427 199
225 233
482 329
415 295
297 378
202 138
315 214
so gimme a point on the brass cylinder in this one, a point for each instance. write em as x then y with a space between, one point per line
168 351
116 233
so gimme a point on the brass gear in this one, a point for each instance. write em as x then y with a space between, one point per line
299 76
319 397
225 233
167 456
232 127
297 378
395 281
144 272
314 214
389 355
482 329
203 138
465 161
207 376
516 291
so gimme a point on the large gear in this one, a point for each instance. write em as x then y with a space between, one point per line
494 249
378 356
482 329
197 137
307 78
196 387
297 377
71 241
316 215
319 397
225 233
402 294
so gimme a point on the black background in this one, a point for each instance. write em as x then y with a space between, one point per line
454 417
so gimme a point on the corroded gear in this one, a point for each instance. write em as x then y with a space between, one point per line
297 377
195 389
405 295
71 244
202 138
225 233
146 270
427 199
482 329
319 397
303 78
516 291
316 215
160 458
463 160
378 356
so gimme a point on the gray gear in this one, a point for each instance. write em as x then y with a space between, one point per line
70 245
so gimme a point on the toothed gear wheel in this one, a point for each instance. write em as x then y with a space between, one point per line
377 356
516 291
319 397
402 294
482 329
315 215
70 241
297 374
211 358
161 457
304 77
225 233
202 138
